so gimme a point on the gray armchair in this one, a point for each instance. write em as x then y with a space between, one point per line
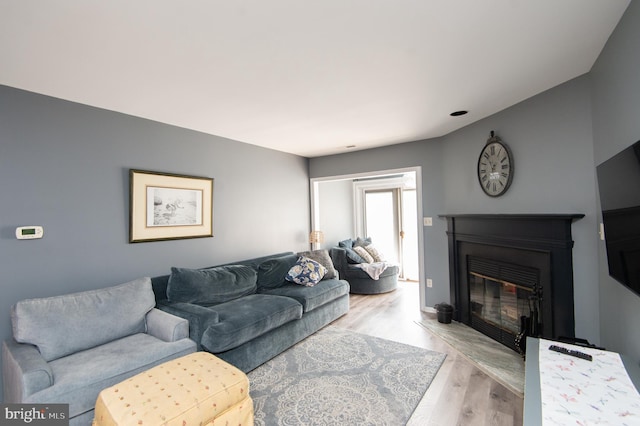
359 280
66 349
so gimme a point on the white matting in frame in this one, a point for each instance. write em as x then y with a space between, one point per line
166 206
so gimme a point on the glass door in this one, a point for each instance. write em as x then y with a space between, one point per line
382 221
390 220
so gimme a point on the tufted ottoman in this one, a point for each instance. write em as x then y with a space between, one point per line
196 389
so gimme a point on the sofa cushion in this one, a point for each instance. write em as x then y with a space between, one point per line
63 325
160 283
211 286
312 297
306 272
271 272
323 258
244 319
81 376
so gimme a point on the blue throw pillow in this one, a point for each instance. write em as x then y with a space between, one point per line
348 243
306 272
353 257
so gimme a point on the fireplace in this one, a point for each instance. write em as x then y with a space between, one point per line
503 299
512 275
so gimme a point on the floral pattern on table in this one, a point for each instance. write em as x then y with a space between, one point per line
575 391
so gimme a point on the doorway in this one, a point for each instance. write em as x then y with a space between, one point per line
393 218
387 212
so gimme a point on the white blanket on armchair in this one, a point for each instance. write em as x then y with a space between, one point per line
373 269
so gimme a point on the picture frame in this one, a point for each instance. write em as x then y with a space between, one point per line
166 206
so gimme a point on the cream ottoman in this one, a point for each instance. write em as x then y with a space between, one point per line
196 389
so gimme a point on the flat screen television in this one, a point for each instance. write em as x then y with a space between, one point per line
619 185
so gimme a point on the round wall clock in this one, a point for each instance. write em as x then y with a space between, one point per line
495 167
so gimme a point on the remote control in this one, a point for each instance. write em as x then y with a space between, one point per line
566 351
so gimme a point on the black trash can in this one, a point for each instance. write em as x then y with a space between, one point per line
445 312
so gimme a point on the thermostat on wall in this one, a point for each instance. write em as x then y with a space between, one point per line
29 232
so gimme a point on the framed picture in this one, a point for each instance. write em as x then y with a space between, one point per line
166 206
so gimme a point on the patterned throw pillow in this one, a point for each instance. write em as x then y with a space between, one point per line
375 253
363 254
322 257
306 272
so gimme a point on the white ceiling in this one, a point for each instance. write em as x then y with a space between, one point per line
301 76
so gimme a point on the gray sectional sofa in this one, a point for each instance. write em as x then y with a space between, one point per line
66 349
246 312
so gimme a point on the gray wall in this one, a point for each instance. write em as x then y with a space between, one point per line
336 223
65 166
550 136
616 125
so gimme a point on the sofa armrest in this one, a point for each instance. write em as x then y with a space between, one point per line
199 317
24 371
339 258
165 326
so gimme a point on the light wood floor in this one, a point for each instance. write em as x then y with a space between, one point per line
460 394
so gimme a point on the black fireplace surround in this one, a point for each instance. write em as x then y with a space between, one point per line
529 256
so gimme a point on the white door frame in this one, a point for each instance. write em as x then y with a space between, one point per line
315 215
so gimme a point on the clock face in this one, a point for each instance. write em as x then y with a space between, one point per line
495 168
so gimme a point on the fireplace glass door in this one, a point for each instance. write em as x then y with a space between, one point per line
497 307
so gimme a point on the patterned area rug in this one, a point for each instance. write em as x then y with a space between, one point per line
339 377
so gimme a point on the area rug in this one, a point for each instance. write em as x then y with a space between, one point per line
339 377
494 359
